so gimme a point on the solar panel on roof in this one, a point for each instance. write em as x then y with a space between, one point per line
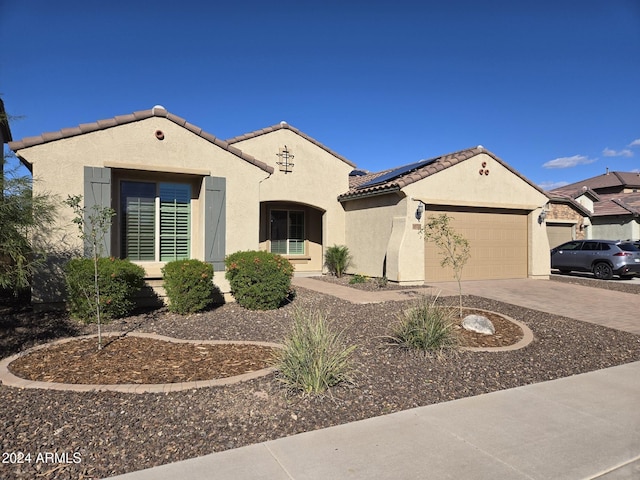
397 172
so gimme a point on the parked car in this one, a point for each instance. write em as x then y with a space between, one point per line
605 258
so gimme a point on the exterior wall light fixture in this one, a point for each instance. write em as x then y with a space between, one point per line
419 210
542 216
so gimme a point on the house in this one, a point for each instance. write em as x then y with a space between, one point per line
180 192
491 204
610 208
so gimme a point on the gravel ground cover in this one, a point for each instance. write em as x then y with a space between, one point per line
107 433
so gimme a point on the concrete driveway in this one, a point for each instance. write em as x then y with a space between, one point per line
596 305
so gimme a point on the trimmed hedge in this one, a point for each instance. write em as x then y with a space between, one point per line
189 285
259 280
119 282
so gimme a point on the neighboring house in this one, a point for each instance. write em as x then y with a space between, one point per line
180 192
611 208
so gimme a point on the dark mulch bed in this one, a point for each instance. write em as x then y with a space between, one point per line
115 433
369 284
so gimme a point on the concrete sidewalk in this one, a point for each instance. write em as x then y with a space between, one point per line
581 427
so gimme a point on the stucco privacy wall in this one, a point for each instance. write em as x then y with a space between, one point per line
58 169
316 179
371 221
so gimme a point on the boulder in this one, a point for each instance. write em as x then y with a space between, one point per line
479 324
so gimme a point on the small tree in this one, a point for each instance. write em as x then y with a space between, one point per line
454 248
93 225
22 216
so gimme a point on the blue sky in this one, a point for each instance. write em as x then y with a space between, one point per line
552 86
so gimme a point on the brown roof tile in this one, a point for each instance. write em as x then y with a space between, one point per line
358 189
618 204
604 181
134 117
285 125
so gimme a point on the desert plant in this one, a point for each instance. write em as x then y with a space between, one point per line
337 259
23 217
357 278
189 285
93 224
259 280
454 248
425 326
118 282
315 356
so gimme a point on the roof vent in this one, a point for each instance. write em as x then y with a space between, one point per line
283 123
159 107
480 147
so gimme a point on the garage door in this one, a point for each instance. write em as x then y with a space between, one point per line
498 242
559 233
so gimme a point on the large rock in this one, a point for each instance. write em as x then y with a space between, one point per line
479 324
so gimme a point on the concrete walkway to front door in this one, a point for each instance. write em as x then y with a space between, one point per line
595 305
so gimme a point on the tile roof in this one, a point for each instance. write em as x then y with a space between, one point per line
156 111
358 188
571 200
285 125
605 181
617 204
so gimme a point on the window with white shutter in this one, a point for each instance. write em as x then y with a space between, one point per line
156 221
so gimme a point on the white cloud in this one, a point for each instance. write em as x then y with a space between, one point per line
608 152
552 185
635 143
568 162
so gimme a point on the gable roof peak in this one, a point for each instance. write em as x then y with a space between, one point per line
155 111
285 126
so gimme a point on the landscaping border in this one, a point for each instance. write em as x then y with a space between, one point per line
9 379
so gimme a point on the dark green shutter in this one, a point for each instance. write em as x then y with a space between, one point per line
97 191
215 221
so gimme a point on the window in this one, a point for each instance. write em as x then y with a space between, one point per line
156 221
287 232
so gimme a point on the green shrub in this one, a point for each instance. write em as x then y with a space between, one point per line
314 356
119 282
337 259
259 280
357 278
426 326
189 285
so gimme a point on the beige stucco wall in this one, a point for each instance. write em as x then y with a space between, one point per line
58 169
316 179
371 224
458 185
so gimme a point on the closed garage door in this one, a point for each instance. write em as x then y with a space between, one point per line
498 242
559 233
